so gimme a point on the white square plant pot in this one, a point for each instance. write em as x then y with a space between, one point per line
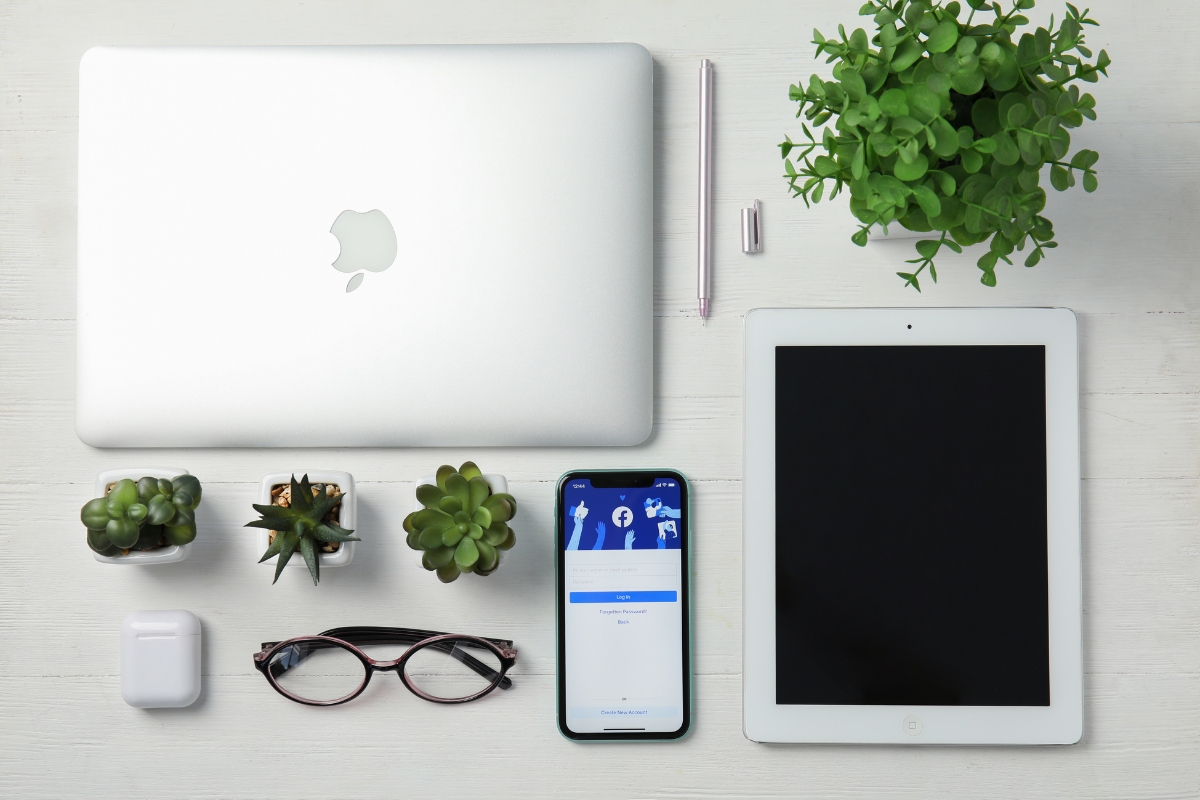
163 555
348 518
497 483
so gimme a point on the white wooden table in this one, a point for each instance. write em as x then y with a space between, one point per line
1126 264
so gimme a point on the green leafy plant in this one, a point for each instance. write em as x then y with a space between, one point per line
142 516
463 526
299 525
945 126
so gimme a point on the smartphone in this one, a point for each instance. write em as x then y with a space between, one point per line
623 599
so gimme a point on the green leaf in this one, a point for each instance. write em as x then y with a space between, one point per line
433 537
451 505
1041 40
853 83
894 102
860 237
431 517
310 558
1084 159
456 486
334 533
495 534
488 557
858 162
482 517
1006 149
94 514
147 488
968 83
985 116
124 492
883 144
501 508
913 171
928 201
943 37
928 248
1034 257
825 166
972 162
478 491
945 182
947 138
189 484
906 55
437 557
429 495
923 101
445 471
301 492
1090 184
466 554
451 536
448 573
910 280
1017 114
161 510
939 84
289 541
273 548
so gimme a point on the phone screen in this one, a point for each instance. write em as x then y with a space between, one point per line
623 594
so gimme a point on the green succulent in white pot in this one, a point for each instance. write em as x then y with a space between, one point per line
461 521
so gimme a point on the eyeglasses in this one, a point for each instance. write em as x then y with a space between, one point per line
329 669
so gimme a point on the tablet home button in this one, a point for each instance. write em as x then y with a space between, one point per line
912 725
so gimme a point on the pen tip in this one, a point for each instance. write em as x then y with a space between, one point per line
704 309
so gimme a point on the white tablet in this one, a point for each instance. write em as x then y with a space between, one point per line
912 568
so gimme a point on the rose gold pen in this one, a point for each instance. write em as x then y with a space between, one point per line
704 255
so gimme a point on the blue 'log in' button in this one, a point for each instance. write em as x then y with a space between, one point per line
623 597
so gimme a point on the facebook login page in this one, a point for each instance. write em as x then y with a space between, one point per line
624 609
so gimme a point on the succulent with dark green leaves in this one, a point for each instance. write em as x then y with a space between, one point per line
463 526
300 526
142 515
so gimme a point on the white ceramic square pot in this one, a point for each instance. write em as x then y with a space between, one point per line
163 555
347 518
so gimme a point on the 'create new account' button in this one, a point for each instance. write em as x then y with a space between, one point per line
623 597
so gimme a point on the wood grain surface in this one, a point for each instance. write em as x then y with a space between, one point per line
1126 264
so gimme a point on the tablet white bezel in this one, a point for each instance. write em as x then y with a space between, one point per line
1059 723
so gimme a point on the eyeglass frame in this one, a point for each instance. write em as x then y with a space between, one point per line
418 639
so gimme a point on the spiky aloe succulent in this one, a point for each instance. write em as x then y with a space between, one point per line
142 515
462 527
300 525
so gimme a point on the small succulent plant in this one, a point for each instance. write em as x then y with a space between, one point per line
300 525
462 527
142 515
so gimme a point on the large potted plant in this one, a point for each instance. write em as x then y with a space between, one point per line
945 125
314 516
142 516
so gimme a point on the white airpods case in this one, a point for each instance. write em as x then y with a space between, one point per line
160 659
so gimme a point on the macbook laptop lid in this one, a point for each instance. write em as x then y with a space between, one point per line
365 246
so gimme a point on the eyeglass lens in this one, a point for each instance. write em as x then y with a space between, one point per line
453 669
320 672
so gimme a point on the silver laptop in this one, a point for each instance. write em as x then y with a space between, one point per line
365 246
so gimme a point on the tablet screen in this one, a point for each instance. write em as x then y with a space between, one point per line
910 541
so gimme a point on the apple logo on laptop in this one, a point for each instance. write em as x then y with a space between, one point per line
368 244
